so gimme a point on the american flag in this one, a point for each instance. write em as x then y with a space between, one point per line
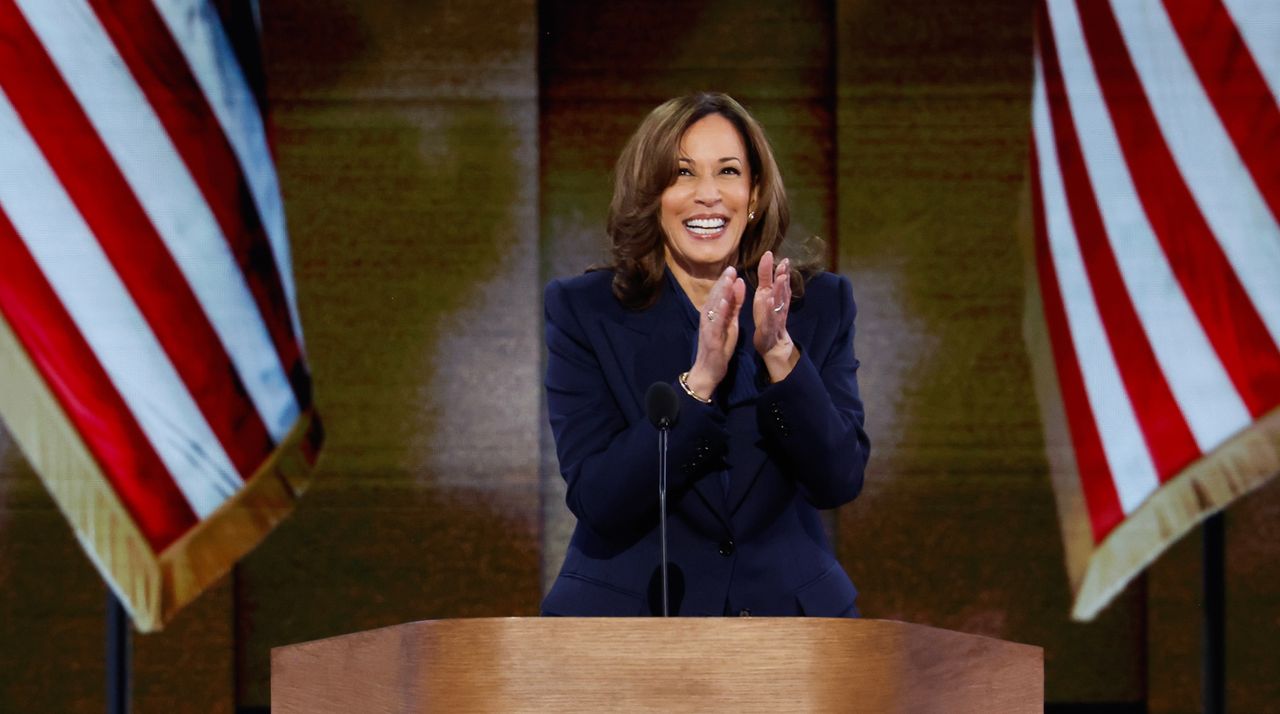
1154 318
151 357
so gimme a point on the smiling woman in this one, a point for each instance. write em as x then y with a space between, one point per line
770 421
707 207
661 159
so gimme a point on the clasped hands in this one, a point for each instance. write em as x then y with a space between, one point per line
718 325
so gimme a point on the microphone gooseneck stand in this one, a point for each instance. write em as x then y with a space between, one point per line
662 510
662 406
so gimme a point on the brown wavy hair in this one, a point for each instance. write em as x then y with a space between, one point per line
649 164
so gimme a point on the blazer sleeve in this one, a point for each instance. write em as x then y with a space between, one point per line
609 465
815 416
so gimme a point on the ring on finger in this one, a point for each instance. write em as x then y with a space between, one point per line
711 315
779 306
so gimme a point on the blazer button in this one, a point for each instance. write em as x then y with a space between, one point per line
726 548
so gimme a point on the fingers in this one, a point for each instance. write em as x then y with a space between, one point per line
718 289
724 302
727 307
775 283
764 271
782 285
739 294
722 309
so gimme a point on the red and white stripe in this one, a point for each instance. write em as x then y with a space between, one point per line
147 268
1156 152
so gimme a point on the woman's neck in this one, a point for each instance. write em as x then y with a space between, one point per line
697 285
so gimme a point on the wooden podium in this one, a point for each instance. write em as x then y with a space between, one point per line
653 664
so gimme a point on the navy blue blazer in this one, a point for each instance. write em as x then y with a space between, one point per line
746 476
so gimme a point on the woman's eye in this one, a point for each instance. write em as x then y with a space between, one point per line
730 170
685 172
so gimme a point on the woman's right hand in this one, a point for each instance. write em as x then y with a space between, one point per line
717 333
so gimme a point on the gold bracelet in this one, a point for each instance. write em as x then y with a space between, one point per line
684 382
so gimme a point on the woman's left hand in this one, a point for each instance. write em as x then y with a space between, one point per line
769 308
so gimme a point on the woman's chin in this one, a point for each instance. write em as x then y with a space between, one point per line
707 256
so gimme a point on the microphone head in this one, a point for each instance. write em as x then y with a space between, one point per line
662 405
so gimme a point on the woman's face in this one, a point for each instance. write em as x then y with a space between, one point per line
705 211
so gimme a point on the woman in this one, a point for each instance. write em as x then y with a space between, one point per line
770 424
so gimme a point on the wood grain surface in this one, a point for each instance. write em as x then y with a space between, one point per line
627 664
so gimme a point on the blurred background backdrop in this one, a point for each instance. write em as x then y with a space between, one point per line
440 161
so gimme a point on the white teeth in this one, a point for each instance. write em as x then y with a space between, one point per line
705 225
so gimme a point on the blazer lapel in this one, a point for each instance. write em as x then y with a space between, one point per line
648 346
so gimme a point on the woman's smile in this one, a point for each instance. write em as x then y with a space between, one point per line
706 226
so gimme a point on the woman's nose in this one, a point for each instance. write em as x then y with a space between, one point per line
707 193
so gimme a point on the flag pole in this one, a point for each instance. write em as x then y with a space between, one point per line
1213 645
119 656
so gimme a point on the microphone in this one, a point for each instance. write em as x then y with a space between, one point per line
662 406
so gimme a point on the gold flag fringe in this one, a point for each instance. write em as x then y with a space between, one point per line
1242 464
153 587
206 553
